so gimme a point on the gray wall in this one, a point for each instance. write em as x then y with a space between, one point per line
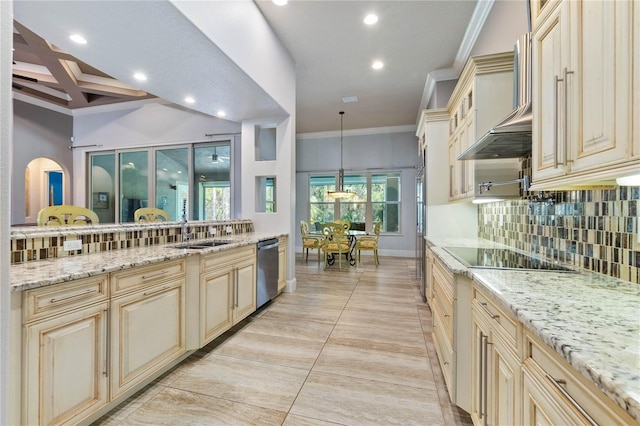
363 152
38 132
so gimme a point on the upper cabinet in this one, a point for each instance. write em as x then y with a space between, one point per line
583 56
482 97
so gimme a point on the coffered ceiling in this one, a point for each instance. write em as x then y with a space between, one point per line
328 41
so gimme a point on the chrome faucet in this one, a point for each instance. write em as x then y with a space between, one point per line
186 236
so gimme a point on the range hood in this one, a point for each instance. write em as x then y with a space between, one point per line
511 138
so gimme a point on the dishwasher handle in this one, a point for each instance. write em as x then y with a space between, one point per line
268 244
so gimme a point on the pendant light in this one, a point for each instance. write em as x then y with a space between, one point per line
341 192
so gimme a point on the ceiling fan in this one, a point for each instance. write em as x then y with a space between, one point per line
215 158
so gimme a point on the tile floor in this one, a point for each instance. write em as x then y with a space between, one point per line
350 347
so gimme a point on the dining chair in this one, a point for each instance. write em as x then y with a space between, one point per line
63 215
336 242
310 241
150 214
369 242
345 224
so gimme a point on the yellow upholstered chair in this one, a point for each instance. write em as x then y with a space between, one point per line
336 242
369 242
310 241
150 214
63 215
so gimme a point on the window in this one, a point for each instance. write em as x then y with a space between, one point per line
195 175
377 199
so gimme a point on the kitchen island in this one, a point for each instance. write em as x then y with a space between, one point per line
588 320
89 330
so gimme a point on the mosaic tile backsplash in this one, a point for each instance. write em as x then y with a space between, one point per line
38 243
593 229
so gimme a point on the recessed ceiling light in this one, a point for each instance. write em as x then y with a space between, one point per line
280 2
377 65
371 19
348 99
221 113
140 77
77 38
189 100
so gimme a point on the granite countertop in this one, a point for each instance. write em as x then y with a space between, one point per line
41 273
591 320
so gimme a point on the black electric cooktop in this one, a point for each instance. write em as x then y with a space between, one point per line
498 258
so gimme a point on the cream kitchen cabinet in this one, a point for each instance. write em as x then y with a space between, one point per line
496 382
227 290
450 305
554 393
583 94
147 322
282 263
482 97
65 351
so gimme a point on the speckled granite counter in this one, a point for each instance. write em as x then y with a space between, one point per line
591 320
52 271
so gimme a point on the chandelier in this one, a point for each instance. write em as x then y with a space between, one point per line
341 192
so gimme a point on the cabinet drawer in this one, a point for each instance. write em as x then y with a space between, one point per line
443 307
46 301
139 277
504 323
226 258
555 373
445 352
443 276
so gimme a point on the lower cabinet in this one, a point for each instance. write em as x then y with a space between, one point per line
495 364
147 333
65 352
554 393
227 290
450 299
282 263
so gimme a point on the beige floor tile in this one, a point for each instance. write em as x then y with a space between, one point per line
381 320
381 306
406 341
315 301
296 313
268 348
293 420
371 364
256 383
177 407
352 401
294 328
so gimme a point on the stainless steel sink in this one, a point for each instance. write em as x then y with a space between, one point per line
201 245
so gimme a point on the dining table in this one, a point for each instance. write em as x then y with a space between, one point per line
352 235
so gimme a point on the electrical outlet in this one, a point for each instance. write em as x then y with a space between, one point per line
229 229
500 220
638 228
486 218
72 245
212 231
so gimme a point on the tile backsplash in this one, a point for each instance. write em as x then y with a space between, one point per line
593 229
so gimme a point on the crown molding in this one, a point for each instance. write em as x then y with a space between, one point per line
358 132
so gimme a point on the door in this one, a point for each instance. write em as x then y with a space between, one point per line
69 356
147 332
54 185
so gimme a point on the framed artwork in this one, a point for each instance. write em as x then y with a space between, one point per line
100 200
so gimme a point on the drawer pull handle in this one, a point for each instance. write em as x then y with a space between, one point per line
147 293
157 274
491 314
84 293
556 384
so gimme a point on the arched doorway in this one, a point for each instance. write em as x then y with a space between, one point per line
43 186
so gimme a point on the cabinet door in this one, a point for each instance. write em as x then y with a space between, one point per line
600 83
282 265
215 303
505 378
66 366
636 82
245 288
147 333
454 183
550 42
469 168
480 360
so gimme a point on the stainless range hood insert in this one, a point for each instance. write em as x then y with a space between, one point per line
511 138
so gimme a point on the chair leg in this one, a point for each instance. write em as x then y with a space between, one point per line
375 255
307 256
318 254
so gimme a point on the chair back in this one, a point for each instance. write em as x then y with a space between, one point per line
345 224
333 228
304 228
376 228
66 215
150 214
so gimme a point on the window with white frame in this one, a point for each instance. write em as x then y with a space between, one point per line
377 199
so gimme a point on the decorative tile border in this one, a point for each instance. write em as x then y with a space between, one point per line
593 229
38 243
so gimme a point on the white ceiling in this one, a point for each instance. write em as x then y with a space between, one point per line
332 48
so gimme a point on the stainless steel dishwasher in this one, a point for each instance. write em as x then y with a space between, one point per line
267 280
